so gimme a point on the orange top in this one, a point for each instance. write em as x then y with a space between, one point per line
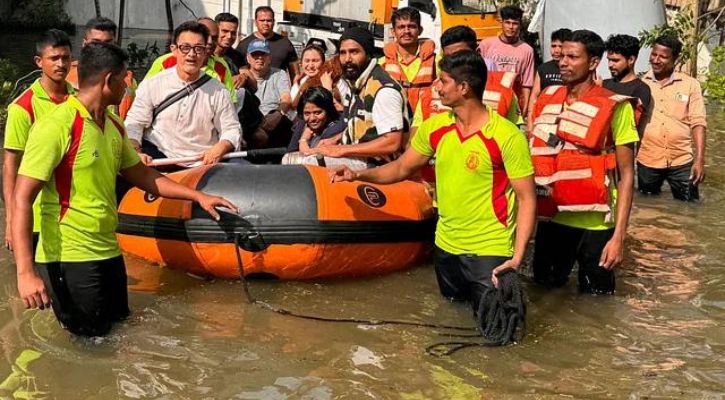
122 109
678 106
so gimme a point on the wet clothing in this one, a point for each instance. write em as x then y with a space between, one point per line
635 88
464 277
283 52
553 262
31 105
87 297
650 180
476 203
549 74
678 107
79 162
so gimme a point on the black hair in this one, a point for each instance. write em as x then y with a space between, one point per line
102 24
467 66
320 97
561 35
511 12
266 9
191 26
409 13
317 42
592 42
459 34
625 45
52 38
313 47
226 17
97 59
672 42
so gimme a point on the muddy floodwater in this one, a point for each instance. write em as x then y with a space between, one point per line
661 336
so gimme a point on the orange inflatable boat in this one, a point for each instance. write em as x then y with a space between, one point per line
293 224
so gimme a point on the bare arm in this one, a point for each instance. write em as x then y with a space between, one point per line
525 222
697 174
402 168
11 163
30 286
384 145
524 100
285 102
613 252
535 91
150 180
294 69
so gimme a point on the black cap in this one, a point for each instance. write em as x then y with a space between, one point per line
361 35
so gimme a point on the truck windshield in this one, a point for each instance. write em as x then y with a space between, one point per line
469 6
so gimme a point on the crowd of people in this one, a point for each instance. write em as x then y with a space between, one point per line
510 143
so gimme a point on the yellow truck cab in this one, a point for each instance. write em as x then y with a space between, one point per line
307 19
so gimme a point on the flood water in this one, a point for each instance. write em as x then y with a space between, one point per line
661 336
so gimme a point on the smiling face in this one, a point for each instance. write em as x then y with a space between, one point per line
227 34
315 117
54 62
311 63
575 64
451 92
190 51
662 60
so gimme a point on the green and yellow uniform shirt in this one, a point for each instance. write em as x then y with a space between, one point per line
30 106
476 203
79 162
624 131
216 67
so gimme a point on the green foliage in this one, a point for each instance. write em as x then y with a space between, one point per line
8 74
715 80
682 26
40 14
141 58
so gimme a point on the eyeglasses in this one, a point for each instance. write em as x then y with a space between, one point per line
186 48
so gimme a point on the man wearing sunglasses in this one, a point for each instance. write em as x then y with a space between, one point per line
201 123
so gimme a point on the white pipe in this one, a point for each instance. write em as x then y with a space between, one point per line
227 6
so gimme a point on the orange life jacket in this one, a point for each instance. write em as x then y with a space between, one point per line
499 91
420 89
128 96
572 151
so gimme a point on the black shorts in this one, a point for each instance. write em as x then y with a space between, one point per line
87 297
558 247
464 277
650 180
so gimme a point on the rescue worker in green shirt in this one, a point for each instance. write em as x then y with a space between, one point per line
74 155
53 57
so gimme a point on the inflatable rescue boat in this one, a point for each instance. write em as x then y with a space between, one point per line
293 224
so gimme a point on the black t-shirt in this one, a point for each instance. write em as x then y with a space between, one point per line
549 74
283 52
235 59
635 88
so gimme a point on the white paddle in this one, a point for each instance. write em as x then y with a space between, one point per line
275 151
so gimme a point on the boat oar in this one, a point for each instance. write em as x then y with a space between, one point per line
275 151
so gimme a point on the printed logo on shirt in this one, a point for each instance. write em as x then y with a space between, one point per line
682 97
473 161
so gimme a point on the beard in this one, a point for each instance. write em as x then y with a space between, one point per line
351 71
618 75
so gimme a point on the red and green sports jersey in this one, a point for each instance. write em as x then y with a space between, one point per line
216 67
79 162
30 106
476 203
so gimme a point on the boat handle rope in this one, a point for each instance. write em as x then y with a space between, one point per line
439 349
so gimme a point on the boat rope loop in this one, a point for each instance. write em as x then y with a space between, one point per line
500 314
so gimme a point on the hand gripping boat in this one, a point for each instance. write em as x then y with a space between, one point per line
293 224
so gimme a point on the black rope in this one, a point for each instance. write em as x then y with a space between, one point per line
496 328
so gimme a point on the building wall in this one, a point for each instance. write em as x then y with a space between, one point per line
146 14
